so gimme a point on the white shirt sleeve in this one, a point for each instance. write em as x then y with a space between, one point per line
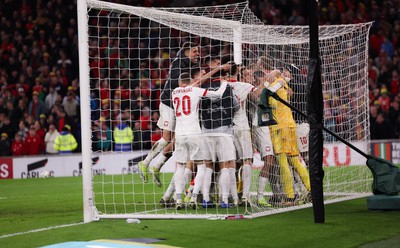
277 86
216 94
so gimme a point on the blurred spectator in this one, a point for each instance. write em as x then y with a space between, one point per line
51 97
394 114
62 119
387 47
36 106
384 100
33 143
154 118
4 145
116 113
13 113
6 126
43 122
102 136
65 143
50 139
38 87
22 129
3 108
21 99
17 147
382 128
56 82
70 105
123 137
394 83
138 143
7 96
144 119
39 129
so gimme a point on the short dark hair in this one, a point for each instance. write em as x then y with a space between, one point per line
240 74
185 78
194 71
188 45
233 70
207 59
266 63
258 74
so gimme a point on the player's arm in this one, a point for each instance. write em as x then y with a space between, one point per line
257 91
216 94
235 103
275 76
270 78
207 76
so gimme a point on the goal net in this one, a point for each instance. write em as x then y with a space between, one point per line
128 56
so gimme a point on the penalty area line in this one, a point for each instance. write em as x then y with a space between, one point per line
40 230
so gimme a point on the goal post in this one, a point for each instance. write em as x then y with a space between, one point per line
125 53
84 78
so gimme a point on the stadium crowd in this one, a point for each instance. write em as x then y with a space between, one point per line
39 94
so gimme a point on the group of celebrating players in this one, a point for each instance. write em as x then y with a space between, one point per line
205 123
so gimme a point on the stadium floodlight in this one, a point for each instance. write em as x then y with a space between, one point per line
125 53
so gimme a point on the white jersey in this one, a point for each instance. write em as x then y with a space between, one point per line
241 91
303 131
186 106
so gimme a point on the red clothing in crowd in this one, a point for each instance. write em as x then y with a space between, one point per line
34 145
125 93
394 85
385 103
41 133
104 93
144 122
61 124
155 137
18 148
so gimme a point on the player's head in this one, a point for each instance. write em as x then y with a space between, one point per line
196 73
191 50
275 73
264 63
287 73
244 75
233 71
212 61
184 79
259 76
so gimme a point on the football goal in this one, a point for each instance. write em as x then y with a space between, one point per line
125 54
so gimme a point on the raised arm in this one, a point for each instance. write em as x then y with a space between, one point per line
208 75
257 91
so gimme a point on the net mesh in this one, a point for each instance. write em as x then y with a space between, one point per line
130 52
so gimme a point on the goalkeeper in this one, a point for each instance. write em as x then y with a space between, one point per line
284 137
263 143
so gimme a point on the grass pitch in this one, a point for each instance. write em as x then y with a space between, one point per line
31 204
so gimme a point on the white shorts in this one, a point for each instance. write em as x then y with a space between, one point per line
242 141
220 148
167 118
262 139
190 148
303 131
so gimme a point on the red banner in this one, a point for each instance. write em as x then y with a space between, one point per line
6 168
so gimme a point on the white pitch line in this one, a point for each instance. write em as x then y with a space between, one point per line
40 230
